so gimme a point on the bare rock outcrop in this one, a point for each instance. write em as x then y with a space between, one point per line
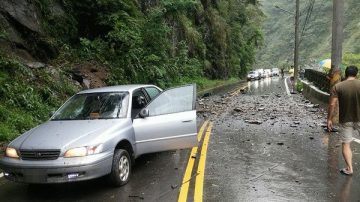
22 32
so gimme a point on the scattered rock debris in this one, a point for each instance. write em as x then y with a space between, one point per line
253 121
136 196
238 110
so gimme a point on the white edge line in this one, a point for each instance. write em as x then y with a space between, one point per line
1 175
287 88
356 140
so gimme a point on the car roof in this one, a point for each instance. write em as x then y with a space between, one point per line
119 88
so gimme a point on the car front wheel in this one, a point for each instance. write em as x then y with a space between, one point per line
121 168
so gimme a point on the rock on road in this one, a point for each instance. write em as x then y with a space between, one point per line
268 146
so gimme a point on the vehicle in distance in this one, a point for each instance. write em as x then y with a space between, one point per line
261 73
267 72
253 75
275 71
100 132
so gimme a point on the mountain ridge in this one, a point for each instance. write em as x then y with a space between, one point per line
315 40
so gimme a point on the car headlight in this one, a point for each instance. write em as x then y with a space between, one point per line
83 151
11 152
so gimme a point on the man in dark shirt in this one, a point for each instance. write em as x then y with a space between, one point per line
347 93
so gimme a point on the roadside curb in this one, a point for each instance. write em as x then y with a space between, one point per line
210 90
318 96
314 94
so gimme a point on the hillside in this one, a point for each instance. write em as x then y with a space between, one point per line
315 26
50 49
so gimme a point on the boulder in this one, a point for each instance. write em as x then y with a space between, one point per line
21 21
35 65
23 12
86 83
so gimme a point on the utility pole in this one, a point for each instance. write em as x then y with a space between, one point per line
337 40
336 46
296 49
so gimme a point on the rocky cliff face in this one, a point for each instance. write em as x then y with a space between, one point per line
23 34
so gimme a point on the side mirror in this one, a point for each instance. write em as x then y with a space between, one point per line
144 113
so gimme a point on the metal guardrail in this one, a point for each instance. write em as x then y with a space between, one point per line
319 79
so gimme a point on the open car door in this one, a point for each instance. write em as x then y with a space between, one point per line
168 122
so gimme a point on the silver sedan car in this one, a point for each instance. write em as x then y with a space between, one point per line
100 132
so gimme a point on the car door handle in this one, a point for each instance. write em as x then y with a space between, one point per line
186 121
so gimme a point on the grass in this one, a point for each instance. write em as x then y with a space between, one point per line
204 84
207 84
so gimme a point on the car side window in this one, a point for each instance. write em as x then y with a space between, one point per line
138 102
173 101
152 92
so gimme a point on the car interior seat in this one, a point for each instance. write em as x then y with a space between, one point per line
138 102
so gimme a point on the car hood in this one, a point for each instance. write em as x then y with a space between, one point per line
62 134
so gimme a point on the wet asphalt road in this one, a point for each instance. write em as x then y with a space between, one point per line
265 146
156 177
268 146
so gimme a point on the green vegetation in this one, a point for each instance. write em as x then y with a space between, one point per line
204 84
315 40
24 102
348 59
166 42
351 59
299 86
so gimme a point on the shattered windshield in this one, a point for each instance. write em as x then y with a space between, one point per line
108 105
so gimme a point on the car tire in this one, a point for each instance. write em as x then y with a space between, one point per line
121 168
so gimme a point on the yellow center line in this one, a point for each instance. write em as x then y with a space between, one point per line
201 131
199 183
187 176
236 91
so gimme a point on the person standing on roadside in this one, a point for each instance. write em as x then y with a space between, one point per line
347 94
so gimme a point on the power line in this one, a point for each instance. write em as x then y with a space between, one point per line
307 18
308 15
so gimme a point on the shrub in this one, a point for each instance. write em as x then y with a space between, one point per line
28 96
299 86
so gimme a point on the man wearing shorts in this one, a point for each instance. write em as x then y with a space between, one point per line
347 93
